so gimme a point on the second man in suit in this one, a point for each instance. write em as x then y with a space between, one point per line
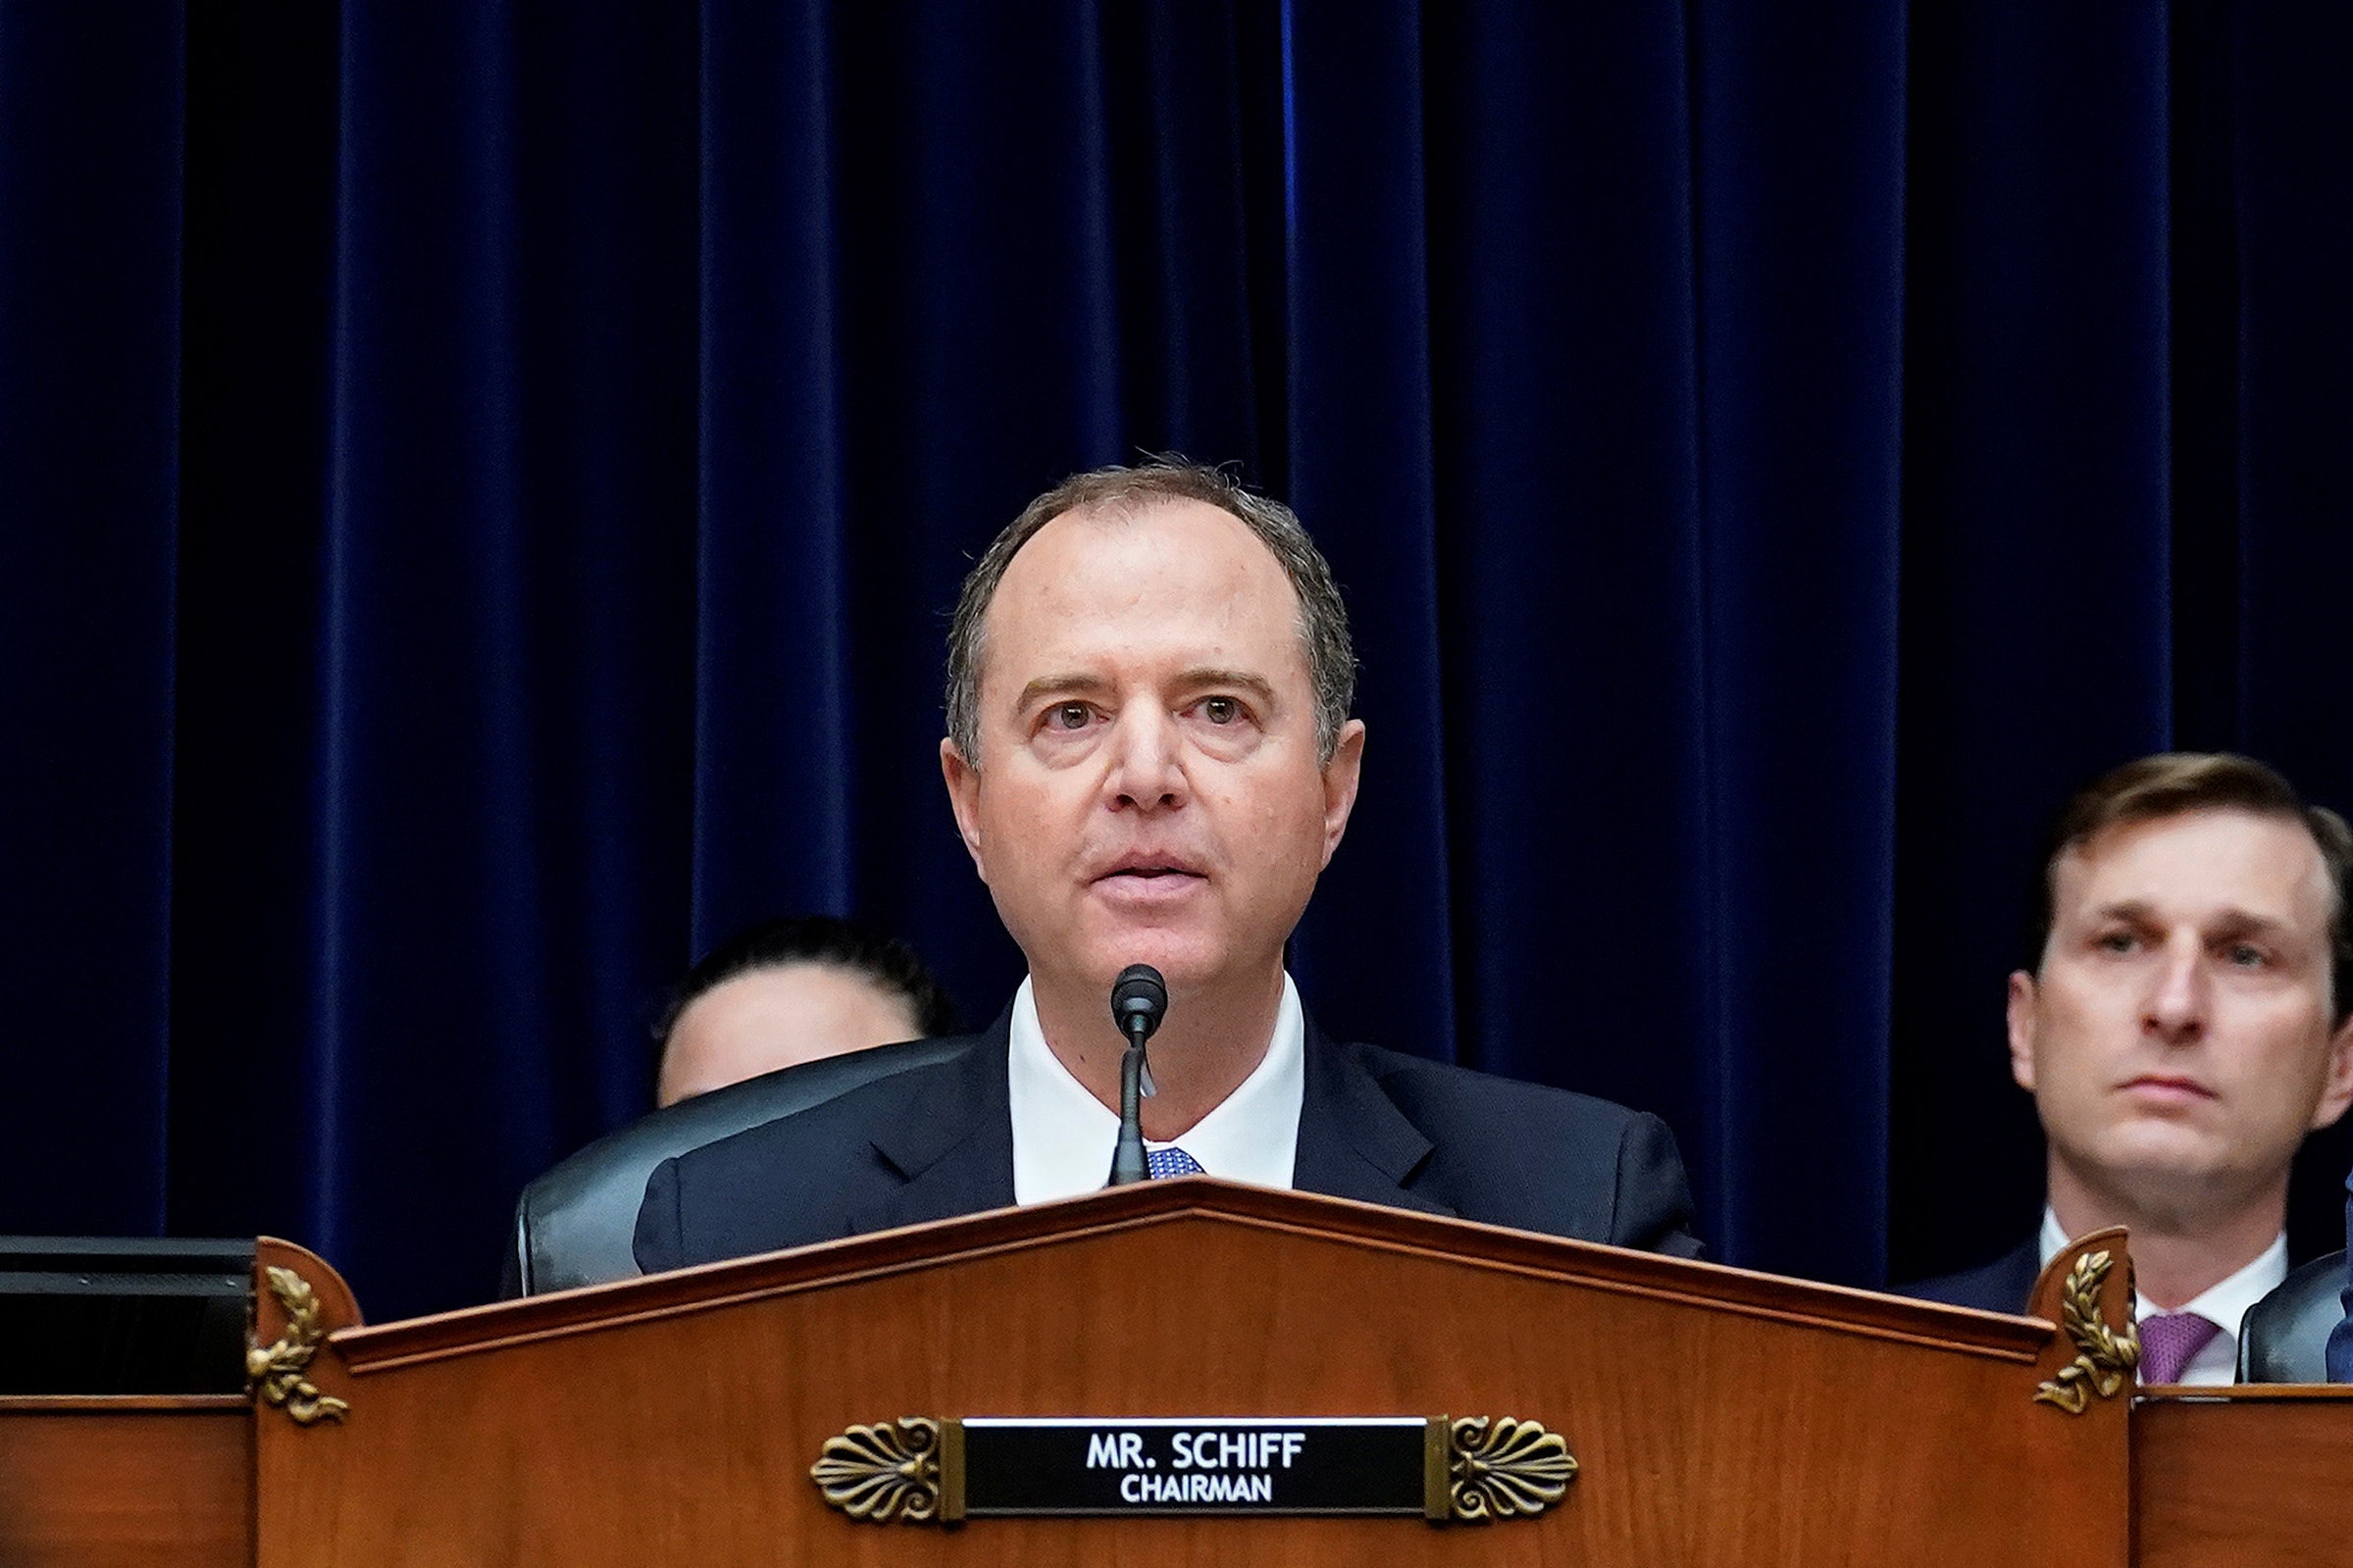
2184 1026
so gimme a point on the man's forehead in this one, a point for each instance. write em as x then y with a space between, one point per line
1172 530
1175 561
2214 858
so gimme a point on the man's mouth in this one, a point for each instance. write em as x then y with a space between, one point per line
2169 1087
1149 875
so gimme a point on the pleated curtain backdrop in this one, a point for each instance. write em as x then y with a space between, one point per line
481 486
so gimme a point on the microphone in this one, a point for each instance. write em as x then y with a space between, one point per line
1138 998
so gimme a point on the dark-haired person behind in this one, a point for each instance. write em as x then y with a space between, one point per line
1150 760
787 992
2184 1027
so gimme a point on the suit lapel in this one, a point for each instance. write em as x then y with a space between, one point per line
952 1138
1352 1142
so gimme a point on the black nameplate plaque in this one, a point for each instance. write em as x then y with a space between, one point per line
1380 1464
924 1470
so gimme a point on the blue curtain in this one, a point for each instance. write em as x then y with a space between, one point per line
480 485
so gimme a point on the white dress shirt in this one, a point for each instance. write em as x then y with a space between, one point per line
1063 1136
2225 1302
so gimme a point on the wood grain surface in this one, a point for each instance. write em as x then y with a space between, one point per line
2262 1478
126 1483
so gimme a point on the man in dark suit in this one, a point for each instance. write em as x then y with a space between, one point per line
1150 760
2184 1026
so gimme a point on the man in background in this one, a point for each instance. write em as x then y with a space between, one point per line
2183 1027
787 991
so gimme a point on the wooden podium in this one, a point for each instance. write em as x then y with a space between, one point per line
1714 1416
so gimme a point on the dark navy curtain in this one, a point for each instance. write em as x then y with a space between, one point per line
480 485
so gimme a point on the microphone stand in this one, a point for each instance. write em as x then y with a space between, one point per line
1128 1161
1138 999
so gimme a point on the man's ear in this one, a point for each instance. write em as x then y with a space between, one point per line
2021 1016
2337 1086
1339 785
964 799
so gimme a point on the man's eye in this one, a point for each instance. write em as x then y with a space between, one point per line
2243 956
1221 710
1067 715
2116 941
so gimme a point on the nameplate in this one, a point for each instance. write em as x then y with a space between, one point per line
921 1470
1379 1464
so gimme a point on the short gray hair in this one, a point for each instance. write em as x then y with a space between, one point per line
1322 617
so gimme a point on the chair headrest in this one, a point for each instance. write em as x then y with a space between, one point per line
575 1223
2284 1336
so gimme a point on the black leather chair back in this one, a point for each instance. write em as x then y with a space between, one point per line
2284 1336
574 1225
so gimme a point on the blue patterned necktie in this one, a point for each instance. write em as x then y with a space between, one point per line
1163 1162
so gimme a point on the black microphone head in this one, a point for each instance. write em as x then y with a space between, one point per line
1139 996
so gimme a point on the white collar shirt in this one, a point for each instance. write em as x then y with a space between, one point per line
2225 1302
1063 1136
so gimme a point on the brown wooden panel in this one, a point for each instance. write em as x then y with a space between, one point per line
126 1483
2264 1477
1719 1418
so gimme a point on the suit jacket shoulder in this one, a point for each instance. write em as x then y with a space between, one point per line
1534 1157
2339 1353
2002 1285
923 1144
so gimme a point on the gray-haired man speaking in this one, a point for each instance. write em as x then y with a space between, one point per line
1150 759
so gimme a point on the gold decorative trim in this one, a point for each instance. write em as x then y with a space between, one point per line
886 1471
2104 1356
1504 1468
274 1372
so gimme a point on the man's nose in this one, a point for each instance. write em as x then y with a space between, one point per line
1146 769
2178 1002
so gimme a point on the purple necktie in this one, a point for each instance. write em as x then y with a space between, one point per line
1172 1161
2169 1342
